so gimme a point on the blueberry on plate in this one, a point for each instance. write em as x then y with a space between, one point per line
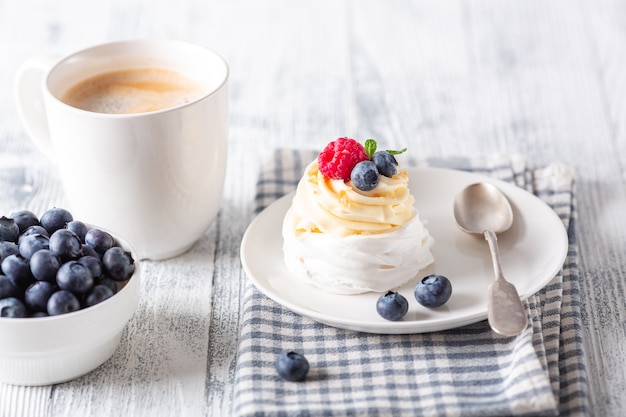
433 291
392 306
12 307
364 176
386 163
292 366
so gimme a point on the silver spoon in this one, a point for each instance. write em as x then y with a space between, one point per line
482 209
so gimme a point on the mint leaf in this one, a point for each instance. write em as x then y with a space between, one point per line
370 147
396 152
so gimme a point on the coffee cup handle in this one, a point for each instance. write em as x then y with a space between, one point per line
29 87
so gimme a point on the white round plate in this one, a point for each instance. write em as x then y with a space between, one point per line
532 252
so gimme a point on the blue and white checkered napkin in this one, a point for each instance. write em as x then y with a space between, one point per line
461 372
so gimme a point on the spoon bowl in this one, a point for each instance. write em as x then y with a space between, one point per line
481 208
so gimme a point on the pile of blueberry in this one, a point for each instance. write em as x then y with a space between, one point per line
54 264
432 291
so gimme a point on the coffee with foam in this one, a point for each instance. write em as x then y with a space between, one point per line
133 91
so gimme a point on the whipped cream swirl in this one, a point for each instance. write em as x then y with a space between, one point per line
349 241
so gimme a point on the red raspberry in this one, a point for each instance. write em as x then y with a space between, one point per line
338 158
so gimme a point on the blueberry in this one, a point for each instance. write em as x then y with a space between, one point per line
292 366
54 219
31 244
44 265
75 277
118 264
385 163
108 282
100 240
17 268
79 228
65 244
87 250
37 295
93 263
9 230
33 230
8 248
98 294
24 219
8 288
365 176
392 306
12 307
62 302
433 291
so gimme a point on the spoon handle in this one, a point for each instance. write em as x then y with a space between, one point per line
492 240
505 311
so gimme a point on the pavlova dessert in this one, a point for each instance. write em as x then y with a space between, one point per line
352 226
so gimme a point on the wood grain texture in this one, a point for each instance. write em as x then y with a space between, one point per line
445 78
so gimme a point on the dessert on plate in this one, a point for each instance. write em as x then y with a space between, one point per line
352 226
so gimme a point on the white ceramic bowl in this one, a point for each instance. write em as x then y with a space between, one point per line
50 350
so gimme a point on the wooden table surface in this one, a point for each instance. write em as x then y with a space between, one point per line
545 79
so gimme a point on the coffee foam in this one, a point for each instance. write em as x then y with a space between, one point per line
133 91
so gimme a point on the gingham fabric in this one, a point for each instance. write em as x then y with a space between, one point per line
467 371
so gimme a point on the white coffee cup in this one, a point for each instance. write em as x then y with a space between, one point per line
155 178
